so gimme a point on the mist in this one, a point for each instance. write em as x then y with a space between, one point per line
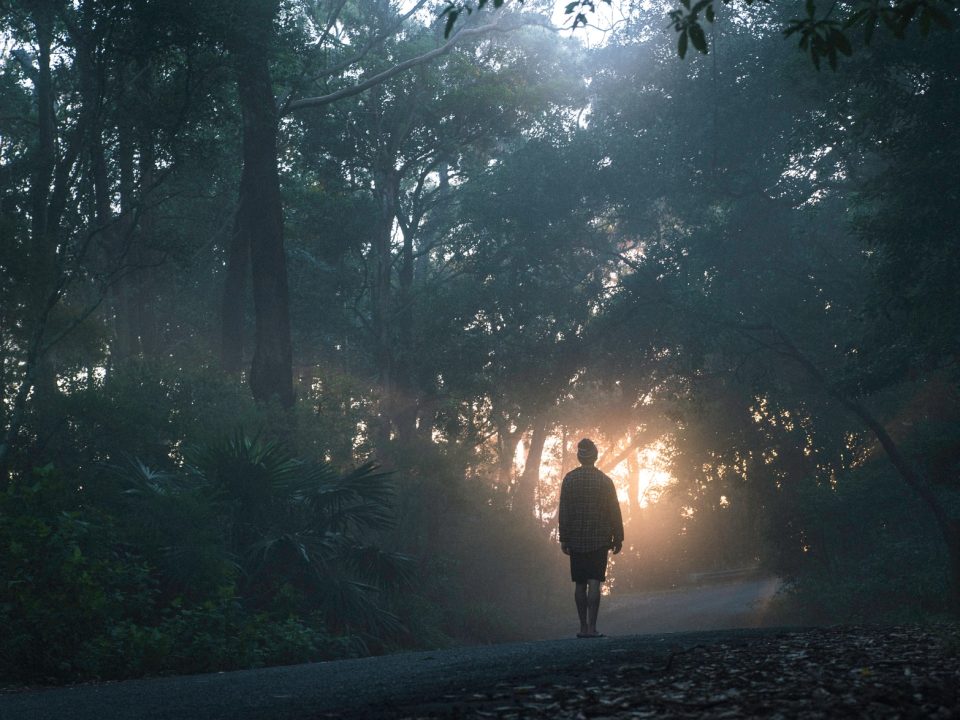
304 309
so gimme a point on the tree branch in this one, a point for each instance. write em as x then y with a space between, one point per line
643 437
322 100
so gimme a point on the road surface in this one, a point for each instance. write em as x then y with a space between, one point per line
375 687
738 604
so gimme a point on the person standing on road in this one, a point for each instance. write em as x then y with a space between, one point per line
590 526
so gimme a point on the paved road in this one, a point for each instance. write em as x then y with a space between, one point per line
366 688
374 687
739 604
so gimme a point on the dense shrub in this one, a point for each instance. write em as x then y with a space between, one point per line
215 636
251 558
67 577
872 552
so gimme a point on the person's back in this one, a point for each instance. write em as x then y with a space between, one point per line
589 511
590 526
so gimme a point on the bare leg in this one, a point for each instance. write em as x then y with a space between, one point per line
593 606
580 595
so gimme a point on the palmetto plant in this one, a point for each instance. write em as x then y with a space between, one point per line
287 524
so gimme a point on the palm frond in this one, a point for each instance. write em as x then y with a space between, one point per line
285 520
138 478
354 603
175 523
383 568
360 500
240 460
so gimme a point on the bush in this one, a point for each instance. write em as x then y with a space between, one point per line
67 578
254 558
215 636
874 553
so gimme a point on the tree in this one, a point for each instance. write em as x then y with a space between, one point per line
81 251
258 237
407 143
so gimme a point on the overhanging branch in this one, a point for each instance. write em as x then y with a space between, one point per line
373 81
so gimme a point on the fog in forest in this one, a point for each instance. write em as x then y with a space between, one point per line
305 306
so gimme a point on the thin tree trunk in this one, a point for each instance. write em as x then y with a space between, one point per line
113 243
124 313
148 331
564 453
234 299
525 492
386 193
406 402
506 450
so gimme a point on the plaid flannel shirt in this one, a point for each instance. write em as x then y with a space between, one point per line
589 511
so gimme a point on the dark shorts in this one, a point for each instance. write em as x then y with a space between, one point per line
588 566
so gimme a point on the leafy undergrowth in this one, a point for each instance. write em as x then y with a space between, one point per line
897 672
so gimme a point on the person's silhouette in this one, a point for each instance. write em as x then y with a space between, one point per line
590 526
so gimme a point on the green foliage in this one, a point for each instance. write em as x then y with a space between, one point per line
251 557
144 409
67 576
452 12
821 34
869 553
215 636
289 523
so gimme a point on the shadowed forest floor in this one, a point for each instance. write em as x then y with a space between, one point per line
898 672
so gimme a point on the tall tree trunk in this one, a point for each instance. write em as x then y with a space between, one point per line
137 176
234 299
564 453
42 242
259 220
386 194
49 189
406 400
525 492
147 328
45 155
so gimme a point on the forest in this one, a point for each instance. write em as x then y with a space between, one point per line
305 304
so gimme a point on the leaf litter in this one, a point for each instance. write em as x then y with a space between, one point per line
901 672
